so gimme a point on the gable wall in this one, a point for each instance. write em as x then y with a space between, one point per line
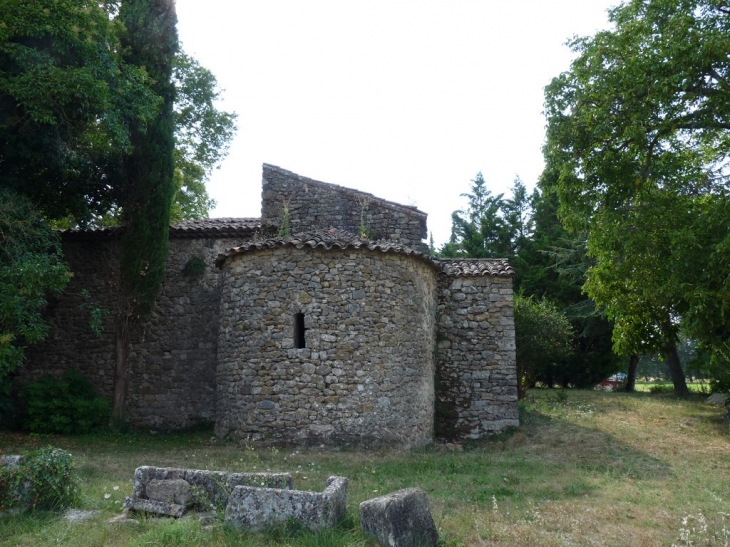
315 205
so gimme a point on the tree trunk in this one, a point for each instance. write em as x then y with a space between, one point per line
631 376
675 369
121 367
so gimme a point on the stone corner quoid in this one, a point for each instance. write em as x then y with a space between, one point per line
475 357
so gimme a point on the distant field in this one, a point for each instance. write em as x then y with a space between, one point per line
585 468
695 387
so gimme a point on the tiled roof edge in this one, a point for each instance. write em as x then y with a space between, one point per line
340 241
476 267
205 228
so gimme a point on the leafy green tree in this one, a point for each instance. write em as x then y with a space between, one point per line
543 339
86 121
638 132
550 263
148 171
202 136
31 269
66 96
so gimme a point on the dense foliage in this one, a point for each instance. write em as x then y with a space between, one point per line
202 136
31 268
66 98
67 405
543 337
45 479
638 146
91 132
69 97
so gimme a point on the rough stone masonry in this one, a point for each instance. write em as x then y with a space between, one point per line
340 331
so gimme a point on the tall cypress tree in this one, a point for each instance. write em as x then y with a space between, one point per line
148 186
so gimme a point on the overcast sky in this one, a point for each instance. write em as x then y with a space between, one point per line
406 99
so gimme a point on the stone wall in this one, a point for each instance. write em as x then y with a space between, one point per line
366 371
315 205
173 351
476 391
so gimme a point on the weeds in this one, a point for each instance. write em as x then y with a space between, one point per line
697 530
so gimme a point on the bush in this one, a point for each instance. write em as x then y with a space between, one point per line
68 406
44 479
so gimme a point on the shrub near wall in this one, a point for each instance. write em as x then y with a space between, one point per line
68 406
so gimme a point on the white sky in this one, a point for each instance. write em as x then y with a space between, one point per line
406 99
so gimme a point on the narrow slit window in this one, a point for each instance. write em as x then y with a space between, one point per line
299 331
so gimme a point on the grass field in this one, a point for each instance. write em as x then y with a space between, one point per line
603 469
667 387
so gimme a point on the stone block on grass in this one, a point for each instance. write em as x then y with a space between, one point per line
175 491
156 507
171 491
399 519
259 508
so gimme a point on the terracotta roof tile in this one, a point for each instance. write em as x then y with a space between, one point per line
329 239
476 267
340 239
205 227
215 227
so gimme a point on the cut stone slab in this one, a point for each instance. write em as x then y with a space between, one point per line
399 519
258 508
158 507
169 490
174 491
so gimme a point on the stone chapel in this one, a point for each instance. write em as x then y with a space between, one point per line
323 321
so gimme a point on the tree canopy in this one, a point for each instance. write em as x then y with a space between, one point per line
102 120
638 140
202 136
68 94
550 265
66 97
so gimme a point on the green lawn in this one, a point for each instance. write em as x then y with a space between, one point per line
596 468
